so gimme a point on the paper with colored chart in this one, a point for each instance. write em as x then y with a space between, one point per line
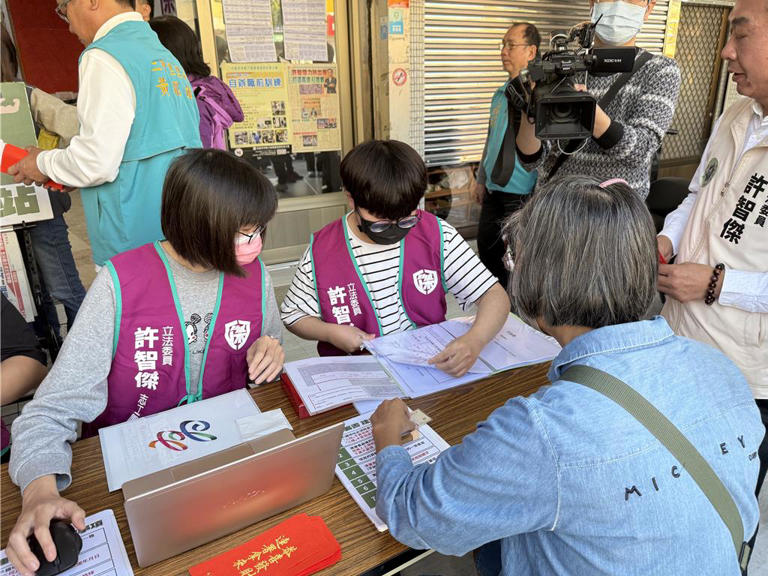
148 444
103 551
357 461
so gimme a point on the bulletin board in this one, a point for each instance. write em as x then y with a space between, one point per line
48 52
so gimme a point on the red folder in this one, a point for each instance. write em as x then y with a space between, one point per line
299 546
293 396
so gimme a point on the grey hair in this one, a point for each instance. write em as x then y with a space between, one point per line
584 255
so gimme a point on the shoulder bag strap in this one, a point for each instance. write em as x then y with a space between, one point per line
607 98
680 447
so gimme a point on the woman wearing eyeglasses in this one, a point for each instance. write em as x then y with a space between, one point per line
386 266
500 192
128 354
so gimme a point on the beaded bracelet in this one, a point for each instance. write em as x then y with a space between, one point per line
710 298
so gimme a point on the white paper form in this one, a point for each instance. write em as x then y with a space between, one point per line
416 347
304 28
103 551
516 344
141 446
325 383
249 30
356 468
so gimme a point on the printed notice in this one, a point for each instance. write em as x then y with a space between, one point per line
314 103
103 551
304 28
325 383
249 30
13 276
263 95
356 468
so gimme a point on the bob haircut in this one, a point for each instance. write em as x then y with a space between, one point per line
385 177
208 196
585 255
181 41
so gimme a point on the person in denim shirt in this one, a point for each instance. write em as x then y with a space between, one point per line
566 481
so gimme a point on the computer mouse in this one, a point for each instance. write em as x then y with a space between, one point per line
68 544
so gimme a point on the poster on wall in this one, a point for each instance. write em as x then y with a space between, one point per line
262 92
314 107
13 276
18 202
249 30
304 28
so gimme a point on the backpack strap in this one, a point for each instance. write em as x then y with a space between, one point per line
607 98
674 441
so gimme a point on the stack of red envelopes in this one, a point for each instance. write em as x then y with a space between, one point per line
300 546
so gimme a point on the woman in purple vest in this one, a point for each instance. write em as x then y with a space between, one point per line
188 318
386 266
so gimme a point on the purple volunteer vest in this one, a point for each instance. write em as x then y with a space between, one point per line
344 296
150 366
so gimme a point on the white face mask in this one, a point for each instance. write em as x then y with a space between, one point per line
620 22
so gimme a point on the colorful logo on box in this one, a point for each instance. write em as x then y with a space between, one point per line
190 430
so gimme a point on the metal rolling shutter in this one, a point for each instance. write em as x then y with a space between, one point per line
462 67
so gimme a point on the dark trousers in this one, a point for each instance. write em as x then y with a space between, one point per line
762 453
497 206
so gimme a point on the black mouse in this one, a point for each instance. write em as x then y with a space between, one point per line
68 544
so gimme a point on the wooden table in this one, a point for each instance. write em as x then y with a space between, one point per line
455 413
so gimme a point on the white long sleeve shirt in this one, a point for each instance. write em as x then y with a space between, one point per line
106 107
741 289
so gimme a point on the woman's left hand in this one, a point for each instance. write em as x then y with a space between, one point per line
265 360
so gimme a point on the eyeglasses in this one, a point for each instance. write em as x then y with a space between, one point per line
251 236
405 222
61 10
509 45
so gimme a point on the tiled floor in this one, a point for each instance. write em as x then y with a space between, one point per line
296 349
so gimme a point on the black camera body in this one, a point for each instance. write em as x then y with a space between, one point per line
561 111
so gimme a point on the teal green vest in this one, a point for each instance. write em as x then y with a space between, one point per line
125 213
521 182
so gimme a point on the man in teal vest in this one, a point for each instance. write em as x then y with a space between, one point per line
137 112
500 199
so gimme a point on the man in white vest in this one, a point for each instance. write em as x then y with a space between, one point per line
718 286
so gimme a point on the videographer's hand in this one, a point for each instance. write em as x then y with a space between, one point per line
602 120
40 504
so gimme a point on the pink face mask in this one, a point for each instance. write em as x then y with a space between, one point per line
246 252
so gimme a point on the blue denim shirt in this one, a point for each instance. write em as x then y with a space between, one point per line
573 484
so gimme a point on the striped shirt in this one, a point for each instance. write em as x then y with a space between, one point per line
465 277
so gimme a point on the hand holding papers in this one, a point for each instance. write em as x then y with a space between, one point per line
403 354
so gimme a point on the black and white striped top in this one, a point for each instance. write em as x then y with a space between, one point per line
465 276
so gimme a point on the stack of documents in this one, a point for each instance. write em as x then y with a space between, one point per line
400 365
141 446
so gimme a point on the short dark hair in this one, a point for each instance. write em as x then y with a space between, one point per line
386 177
585 254
182 42
208 196
530 33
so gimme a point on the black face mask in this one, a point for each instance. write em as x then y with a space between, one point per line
391 235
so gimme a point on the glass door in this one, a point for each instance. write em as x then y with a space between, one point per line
288 63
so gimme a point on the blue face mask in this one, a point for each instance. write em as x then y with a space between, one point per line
620 21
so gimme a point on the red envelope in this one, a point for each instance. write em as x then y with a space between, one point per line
299 546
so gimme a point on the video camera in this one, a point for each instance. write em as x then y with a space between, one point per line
561 111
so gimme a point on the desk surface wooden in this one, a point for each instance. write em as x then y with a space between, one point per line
455 413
